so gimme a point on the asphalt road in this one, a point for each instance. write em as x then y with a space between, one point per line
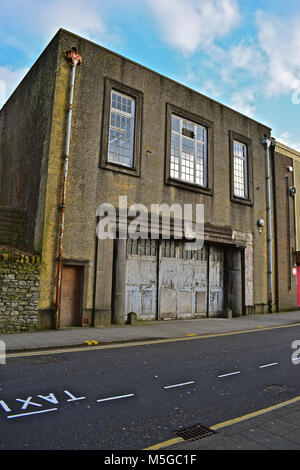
134 397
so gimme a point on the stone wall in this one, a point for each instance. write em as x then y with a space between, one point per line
19 292
12 226
25 123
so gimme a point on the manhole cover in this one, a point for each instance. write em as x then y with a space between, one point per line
194 433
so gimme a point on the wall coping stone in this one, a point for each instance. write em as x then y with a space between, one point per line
19 258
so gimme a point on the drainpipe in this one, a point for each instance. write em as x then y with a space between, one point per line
75 59
268 143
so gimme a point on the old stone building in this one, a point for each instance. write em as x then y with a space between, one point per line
139 135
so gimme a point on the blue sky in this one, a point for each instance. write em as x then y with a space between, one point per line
243 53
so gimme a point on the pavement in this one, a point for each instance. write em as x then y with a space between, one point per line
278 429
275 428
150 330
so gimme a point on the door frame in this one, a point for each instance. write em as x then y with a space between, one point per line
83 282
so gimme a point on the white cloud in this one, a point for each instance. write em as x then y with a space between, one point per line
191 24
286 139
82 18
9 79
269 62
246 57
237 64
266 66
209 87
2 93
43 19
25 24
242 101
279 41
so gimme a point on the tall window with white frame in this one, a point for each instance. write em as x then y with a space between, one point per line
188 160
121 129
240 176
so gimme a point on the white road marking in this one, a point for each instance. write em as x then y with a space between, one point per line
4 406
31 413
51 398
178 385
116 398
27 402
231 373
72 397
268 365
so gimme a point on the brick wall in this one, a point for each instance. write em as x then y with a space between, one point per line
19 292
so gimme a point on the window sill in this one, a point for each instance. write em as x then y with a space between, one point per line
189 186
119 168
242 200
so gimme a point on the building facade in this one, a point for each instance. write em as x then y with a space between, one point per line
286 204
137 135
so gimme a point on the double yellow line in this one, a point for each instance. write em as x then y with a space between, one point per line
176 440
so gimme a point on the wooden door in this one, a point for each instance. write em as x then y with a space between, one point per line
71 289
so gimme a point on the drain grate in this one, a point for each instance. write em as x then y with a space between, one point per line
195 433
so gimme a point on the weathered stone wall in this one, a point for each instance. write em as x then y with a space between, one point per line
25 126
12 226
19 292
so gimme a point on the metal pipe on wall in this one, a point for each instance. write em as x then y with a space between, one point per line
288 233
75 58
268 142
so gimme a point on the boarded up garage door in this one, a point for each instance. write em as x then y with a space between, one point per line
141 275
182 279
216 281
